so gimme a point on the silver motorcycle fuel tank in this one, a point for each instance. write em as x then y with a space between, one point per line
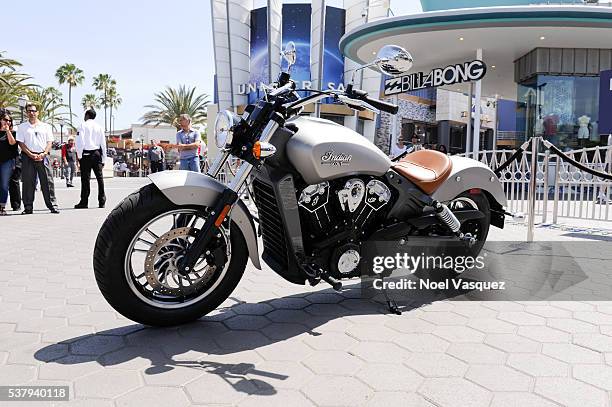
322 150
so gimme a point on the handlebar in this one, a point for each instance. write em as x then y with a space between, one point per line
288 87
381 105
359 97
378 104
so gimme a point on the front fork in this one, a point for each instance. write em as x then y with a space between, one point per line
224 204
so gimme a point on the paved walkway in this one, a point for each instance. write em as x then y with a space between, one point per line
273 343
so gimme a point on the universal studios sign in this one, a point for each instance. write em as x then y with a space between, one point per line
452 74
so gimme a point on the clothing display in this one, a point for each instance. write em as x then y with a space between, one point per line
583 130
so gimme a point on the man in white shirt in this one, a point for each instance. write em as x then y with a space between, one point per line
35 139
91 149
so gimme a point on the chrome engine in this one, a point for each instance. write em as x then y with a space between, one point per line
352 201
337 216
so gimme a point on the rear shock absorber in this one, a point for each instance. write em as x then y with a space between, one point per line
446 216
450 220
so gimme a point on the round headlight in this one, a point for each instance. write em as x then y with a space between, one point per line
224 127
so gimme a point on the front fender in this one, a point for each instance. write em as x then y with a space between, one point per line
467 174
192 188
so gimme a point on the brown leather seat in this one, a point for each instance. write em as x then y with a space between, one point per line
428 169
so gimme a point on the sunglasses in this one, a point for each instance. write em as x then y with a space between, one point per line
32 111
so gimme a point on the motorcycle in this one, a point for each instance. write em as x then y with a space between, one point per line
175 250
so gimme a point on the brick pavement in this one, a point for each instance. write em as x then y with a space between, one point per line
273 343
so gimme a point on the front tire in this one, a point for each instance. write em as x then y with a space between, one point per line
117 277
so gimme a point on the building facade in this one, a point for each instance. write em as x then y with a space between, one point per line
547 73
249 36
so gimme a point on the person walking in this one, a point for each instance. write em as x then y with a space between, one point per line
188 141
156 157
91 150
35 139
69 156
8 153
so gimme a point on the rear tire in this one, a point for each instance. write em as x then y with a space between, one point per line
479 228
111 248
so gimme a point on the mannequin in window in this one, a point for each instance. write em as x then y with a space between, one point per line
583 130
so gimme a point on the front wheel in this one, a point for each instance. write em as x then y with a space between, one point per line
137 252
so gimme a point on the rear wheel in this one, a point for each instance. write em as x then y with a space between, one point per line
136 255
478 228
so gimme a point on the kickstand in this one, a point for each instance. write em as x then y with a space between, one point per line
391 304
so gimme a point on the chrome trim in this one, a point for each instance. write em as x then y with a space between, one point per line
241 176
216 166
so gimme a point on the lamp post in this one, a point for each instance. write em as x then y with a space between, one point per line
141 155
61 123
22 101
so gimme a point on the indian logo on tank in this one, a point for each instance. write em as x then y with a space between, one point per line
339 159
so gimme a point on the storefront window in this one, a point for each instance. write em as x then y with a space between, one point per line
562 109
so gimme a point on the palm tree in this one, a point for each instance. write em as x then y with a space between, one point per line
73 76
114 100
90 101
49 103
103 82
13 83
171 103
12 86
7 68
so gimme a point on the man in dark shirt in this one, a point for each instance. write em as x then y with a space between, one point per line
156 156
69 156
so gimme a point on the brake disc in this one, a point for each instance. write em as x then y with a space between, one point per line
161 265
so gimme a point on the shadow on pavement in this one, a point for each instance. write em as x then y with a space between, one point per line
218 344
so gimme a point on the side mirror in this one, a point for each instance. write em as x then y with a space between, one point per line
393 60
289 54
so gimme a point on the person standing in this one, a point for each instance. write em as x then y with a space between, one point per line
91 150
69 156
35 139
156 157
188 141
15 183
8 153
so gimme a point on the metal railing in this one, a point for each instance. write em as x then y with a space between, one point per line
561 190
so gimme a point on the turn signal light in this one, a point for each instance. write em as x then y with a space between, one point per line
257 150
222 215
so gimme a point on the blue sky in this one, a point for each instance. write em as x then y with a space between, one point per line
144 45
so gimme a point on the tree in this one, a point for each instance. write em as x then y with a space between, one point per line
171 103
49 103
114 100
90 101
102 83
13 83
73 76
7 68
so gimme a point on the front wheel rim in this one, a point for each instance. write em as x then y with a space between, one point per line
152 255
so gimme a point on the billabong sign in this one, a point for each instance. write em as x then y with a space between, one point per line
452 74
